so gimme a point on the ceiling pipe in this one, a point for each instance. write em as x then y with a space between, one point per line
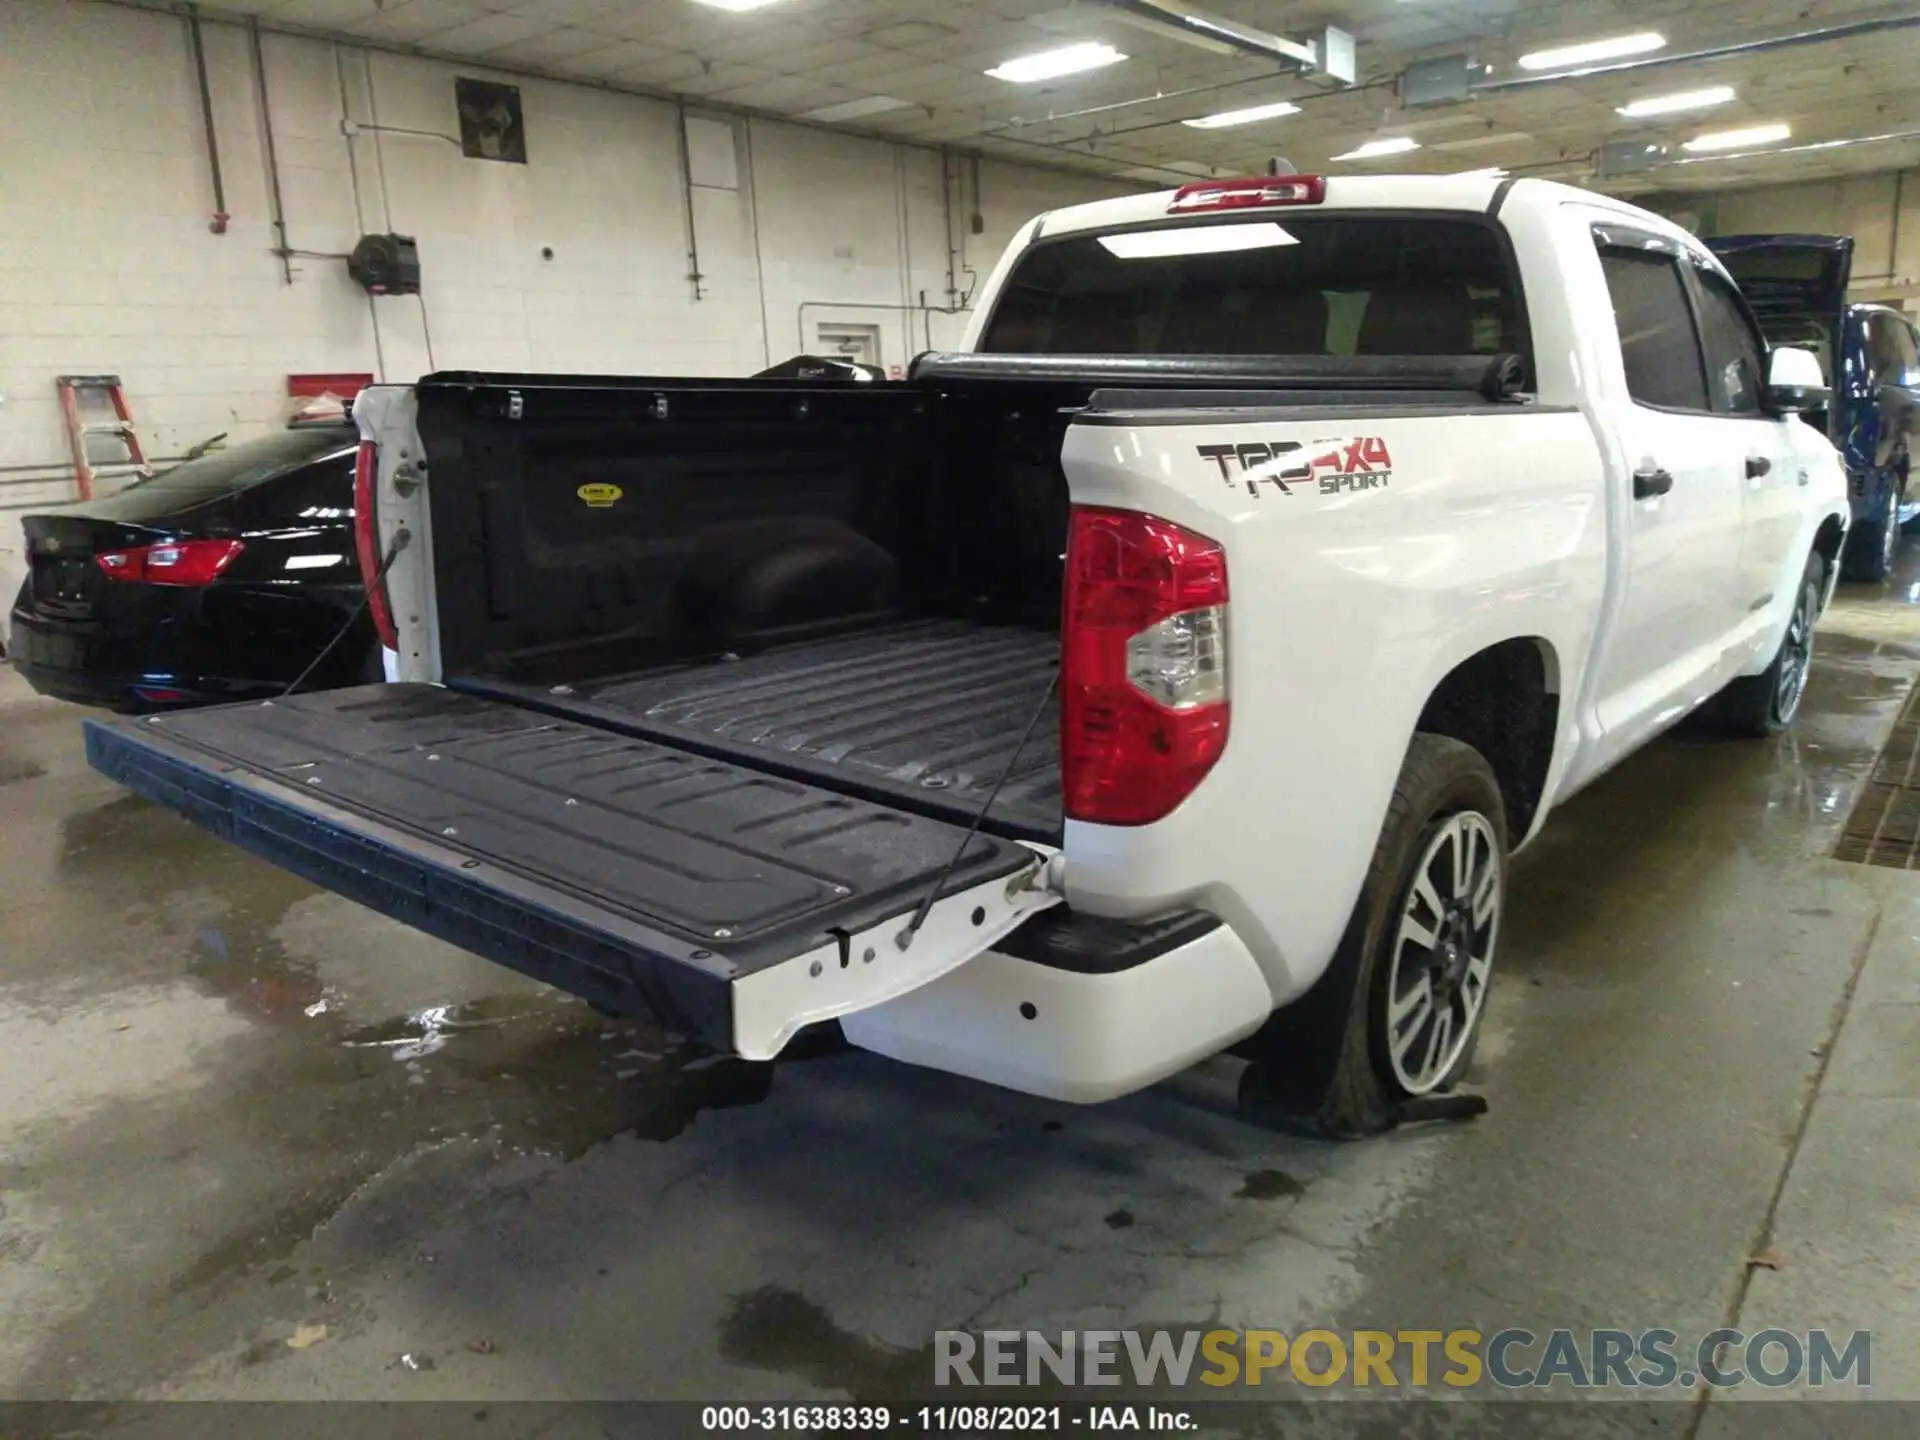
1094 137
1052 116
1214 32
1887 138
1820 36
218 225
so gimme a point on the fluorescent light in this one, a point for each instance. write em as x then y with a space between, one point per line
1374 149
1195 240
1052 64
1593 50
1673 104
1491 172
1736 139
739 7
1244 117
855 109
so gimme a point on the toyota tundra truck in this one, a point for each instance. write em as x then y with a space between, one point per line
1171 670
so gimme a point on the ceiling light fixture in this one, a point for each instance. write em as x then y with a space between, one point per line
1593 51
854 109
1247 116
1052 64
1739 139
1375 149
738 7
1675 103
1195 240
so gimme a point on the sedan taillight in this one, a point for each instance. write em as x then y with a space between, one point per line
172 562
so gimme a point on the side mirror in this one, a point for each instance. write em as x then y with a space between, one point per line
1794 382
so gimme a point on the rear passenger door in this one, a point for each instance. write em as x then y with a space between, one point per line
1897 373
1758 442
1684 482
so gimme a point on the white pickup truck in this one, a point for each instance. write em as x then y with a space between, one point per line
1171 671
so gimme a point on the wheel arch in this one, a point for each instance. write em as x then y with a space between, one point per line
1828 539
1504 701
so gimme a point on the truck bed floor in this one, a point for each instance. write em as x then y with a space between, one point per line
924 714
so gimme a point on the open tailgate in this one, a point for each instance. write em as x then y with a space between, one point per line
735 905
1789 274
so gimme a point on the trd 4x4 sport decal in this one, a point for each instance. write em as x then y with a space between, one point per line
1342 464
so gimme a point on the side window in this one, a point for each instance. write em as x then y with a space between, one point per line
1907 346
1657 338
1883 353
1736 361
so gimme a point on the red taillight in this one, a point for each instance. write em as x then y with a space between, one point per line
1205 195
366 544
172 562
1143 700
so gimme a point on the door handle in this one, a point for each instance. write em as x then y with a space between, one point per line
1650 480
1758 465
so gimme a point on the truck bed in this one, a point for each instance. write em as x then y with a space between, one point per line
921 714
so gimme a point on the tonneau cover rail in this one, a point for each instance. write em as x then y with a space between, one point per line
1496 377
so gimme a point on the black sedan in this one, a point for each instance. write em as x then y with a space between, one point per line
224 578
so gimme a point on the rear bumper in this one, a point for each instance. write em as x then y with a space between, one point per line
1070 1034
79 689
83 665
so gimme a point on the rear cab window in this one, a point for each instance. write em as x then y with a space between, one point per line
1298 285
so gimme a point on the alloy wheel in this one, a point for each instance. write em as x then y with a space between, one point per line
1443 952
1796 653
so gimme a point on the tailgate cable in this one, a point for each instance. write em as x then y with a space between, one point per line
904 940
401 537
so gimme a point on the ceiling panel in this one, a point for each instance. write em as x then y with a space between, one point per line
550 49
796 55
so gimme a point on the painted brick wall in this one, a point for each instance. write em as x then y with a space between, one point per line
107 262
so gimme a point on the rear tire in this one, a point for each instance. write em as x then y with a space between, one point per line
1398 1012
1872 546
1759 706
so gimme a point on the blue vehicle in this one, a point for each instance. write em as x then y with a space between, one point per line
1797 286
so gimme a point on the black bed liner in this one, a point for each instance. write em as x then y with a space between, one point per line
921 715
617 868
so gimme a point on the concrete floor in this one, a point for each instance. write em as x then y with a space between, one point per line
235 1110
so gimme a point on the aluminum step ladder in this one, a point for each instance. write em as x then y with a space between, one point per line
85 396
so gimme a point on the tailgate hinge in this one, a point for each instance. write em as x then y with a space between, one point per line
858 970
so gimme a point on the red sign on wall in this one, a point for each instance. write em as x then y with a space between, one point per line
345 386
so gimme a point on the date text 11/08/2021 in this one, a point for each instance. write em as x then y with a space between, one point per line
935 1419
